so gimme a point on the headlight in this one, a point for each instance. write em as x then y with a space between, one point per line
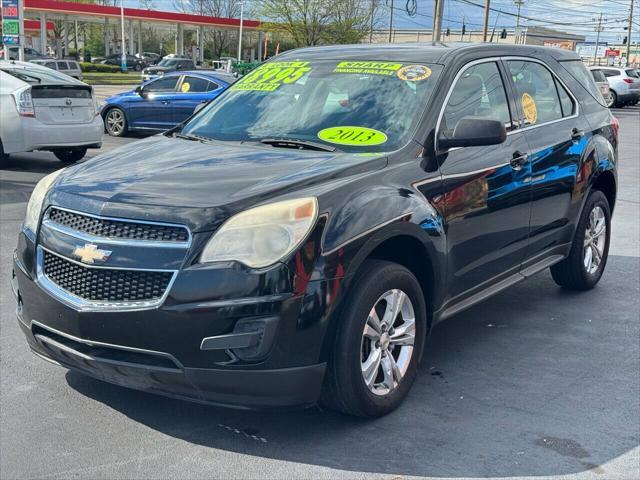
264 235
34 207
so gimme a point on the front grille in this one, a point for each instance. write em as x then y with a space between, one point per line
105 284
101 227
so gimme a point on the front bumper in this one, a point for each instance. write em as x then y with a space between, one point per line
164 350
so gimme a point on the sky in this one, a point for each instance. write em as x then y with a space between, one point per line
575 16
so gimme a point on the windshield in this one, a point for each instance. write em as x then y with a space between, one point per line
355 106
167 62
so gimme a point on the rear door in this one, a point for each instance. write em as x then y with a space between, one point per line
193 90
558 135
486 189
153 109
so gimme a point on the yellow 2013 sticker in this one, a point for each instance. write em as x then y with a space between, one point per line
375 68
352 136
185 87
270 76
414 73
529 108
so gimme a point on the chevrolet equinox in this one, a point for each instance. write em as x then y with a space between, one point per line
295 240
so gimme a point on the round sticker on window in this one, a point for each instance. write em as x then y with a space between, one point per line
414 73
185 87
529 108
353 136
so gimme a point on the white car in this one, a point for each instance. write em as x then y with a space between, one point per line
42 109
70 67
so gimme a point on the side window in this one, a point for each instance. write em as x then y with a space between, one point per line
194 85
51 65
566 102
63 66
212 87
478 93
163 84
536 91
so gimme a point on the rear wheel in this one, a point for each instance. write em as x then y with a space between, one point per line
612 99
115 122
70 156
138 67
584 266
378 344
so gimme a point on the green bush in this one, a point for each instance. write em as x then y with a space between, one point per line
98 67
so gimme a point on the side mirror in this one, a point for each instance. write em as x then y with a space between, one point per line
178 67
139 90
474 132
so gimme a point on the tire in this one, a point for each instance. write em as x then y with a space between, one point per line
577 272
3 156
345 388
70 156
115 122
612 99
138 67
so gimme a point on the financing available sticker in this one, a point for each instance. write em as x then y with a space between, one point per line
270 76
374 68
529 108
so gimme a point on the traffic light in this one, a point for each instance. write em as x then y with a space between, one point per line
624 40
503 34
448 32
464 29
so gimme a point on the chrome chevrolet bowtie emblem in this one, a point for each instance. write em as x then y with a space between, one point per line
90 253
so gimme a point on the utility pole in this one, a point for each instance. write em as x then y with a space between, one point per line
519 4
629 33
598 29
123 52
438 12
391 23
485 27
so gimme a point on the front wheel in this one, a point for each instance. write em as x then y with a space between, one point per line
378 343
584 266
70 156
138 67
115 122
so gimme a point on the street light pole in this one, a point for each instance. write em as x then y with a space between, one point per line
391 22
519 3
123 56
240 33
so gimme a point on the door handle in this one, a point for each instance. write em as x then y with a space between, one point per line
576 135
519 160
165 102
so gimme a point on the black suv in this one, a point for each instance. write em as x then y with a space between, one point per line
166 65
133 63
296 239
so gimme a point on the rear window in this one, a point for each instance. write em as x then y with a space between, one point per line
61 92
598 76
632 73
578 71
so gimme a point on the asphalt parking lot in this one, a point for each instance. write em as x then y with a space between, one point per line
535 382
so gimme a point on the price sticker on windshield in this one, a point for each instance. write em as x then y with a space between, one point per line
270 76
352 136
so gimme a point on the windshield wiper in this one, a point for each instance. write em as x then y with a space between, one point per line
295 143
193 138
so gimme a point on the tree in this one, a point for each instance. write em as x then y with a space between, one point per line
311 22
219 39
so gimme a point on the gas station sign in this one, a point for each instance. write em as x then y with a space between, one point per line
11 22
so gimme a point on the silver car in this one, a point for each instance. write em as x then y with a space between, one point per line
70 67
624 84
603 85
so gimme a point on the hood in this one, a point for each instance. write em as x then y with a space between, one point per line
164 174
156 69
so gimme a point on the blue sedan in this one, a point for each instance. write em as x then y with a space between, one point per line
162 103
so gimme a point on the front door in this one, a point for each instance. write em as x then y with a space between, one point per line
153 108
486 189
192 92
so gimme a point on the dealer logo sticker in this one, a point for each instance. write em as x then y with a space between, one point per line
529 108
414 73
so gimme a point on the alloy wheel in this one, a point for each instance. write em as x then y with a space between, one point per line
387 342
115 122
595 239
